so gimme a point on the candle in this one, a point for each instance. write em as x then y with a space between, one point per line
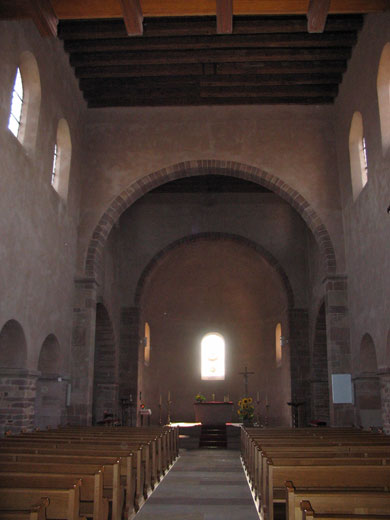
169 395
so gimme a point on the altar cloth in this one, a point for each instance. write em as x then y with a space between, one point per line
213 412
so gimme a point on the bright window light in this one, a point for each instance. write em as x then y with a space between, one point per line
16 105
54 166
213 356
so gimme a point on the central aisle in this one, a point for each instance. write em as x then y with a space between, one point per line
203 485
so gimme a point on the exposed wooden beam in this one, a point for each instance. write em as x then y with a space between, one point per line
88 9
189 43
232 69
208 56
224 16
158 28
44 17
317 15
133 17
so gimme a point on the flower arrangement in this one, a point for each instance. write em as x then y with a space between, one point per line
199 398
246 409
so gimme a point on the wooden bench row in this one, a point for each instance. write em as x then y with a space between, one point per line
316 460
106 466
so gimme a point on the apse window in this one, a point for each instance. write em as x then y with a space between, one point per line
213 357
147 344
278 344
54 166
383 86
16 105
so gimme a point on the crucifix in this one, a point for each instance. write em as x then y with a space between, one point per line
246 374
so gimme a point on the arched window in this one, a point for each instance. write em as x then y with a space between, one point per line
278 344
357 155
61 160
213 356
147 344
383 86
26 100
16 105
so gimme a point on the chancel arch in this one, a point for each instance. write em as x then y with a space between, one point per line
367 387
221 286
51 386
205 167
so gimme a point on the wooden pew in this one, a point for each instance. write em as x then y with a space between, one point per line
126 474
335 501
309 513
340 476
34 512
91 503
64 504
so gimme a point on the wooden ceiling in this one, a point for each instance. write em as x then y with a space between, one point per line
202 52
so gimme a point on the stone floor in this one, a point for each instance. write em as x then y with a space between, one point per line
203 484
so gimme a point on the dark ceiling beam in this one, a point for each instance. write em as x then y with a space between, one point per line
87 85
224 16
132 16
253 68
180 27
208 56
317 15
44 17
337 39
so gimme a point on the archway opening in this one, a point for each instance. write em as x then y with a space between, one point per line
15 400
214 285
51 388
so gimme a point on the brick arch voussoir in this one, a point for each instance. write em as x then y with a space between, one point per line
215 236
204 167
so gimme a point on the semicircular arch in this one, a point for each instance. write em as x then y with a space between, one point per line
268 257
205 167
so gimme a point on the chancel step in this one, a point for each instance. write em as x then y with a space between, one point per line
213 436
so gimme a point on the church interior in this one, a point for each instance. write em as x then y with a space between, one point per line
195 206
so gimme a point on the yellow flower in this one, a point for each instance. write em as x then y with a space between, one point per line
245 400
249 399
245 406
239 402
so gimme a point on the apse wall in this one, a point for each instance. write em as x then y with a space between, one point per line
214 286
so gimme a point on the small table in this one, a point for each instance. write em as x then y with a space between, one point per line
145 412
213 412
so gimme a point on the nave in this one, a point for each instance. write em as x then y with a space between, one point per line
203 484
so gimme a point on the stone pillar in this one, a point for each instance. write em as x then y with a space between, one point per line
367 400
83 349
338 338
300 361
17 399
384 381
128 357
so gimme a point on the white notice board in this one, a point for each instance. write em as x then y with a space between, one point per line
342 388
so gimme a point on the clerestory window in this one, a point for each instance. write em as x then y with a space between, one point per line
15 116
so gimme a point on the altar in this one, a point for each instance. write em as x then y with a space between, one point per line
213 412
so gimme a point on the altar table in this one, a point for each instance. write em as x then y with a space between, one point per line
213 412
